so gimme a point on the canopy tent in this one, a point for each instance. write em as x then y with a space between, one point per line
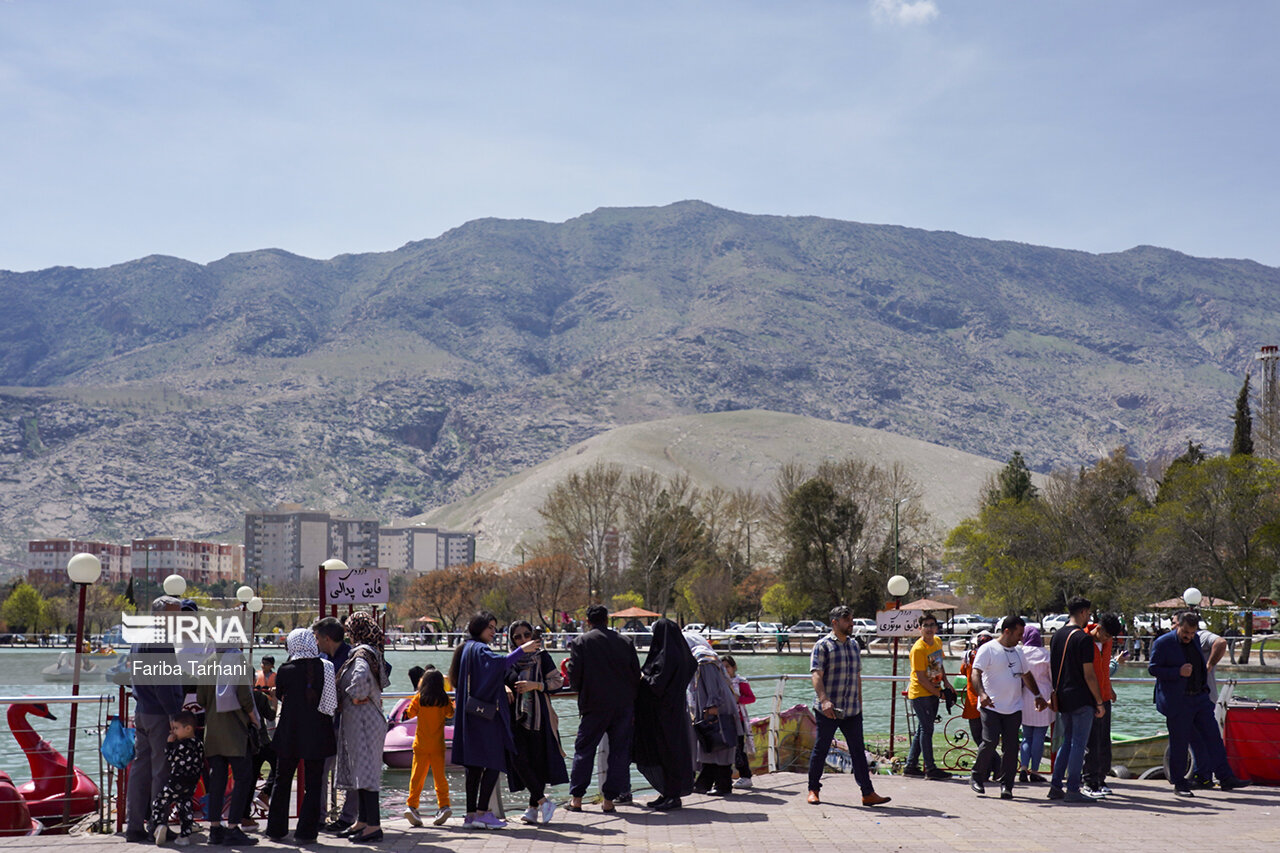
927 604
1179 604
426 619
635 613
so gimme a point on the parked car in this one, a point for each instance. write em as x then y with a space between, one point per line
695 628
808 626
967 623
864 627
1050 624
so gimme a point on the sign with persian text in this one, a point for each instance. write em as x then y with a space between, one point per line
897 623
357 586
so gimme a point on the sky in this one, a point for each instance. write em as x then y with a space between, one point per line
199 129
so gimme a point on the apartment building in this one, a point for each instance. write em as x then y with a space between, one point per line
417 548
286 543
47 559
201 563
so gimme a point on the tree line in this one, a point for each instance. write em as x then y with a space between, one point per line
821 536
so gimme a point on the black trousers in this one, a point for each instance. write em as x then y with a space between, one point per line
268 757
480 782
216 785
714 777
367 807
619 725
740 758
1003 729
1097 755
312 783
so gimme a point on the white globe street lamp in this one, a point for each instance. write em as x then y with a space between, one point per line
1192 596
898 586
254 604
175 585
83 569
334 565
243 594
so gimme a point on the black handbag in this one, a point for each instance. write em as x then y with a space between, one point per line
712 733
478 707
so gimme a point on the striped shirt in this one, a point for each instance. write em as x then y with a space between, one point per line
840 665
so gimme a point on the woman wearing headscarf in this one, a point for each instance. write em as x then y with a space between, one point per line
230 714
536 761
482 735
711 697
1034 723
363 728
306 689
663 741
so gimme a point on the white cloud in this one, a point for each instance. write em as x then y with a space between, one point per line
904 12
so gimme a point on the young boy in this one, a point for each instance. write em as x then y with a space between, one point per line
184 755
743 693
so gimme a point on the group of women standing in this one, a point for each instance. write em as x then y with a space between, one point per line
686 717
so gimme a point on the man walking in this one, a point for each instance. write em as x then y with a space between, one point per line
836 666
605 672
999 673
1182 695
1077 698
924 693
156 703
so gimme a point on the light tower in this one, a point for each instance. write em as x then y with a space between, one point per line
1267 429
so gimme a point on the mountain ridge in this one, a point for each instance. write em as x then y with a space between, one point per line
395 381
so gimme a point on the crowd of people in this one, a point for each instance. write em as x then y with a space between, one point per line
679 717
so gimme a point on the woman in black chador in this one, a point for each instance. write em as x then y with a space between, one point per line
664 734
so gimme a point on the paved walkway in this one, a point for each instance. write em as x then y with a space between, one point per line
924 816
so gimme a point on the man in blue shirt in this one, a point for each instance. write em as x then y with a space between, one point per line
836 667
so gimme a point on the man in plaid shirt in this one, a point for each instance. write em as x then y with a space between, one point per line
836 666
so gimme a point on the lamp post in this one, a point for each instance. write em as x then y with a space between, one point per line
1192 597
175 585
83 569
255 607
898 587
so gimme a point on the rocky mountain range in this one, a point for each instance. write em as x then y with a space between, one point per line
162 396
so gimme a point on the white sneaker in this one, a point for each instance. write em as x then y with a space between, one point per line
547 809
182 841
411 815
442 815
530 816
743 782
162 833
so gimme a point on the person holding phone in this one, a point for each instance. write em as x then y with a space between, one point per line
537 761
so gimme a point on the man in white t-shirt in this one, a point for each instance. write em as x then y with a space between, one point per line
999 673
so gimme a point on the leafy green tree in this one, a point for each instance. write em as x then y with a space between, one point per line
668 540
21 610
786 604
1242 439
1012 483
1004 554
821 532
1216 527
1094 517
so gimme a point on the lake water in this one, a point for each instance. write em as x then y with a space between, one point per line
1134 713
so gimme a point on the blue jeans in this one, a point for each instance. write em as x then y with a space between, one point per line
1075 726
851 728
926 708
1032 749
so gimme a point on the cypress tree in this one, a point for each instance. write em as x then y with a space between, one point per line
1242 441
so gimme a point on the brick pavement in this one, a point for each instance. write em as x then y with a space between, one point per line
924 816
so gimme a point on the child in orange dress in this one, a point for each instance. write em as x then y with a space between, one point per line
432 706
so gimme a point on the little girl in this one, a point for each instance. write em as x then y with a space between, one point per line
432 707
741 690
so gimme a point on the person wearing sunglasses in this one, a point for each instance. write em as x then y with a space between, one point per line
537 761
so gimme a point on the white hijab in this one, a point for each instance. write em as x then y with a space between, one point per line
301 644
